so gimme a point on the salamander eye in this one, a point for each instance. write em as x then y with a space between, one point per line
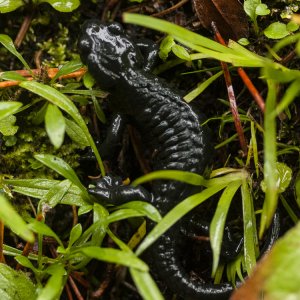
115 28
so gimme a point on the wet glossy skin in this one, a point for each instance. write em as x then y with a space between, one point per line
167 125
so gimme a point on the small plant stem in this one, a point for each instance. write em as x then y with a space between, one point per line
6 84
40 218
231 96
50 73
170 9
252 89
75 288
68 292
23 30
2 259
75 215
109 272
270 159
78 277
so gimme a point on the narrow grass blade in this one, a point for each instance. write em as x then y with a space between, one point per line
270 158
146 285
8 43
183 176
111 255
250 236
217 225
176 214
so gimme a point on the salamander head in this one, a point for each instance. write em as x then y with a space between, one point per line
107 51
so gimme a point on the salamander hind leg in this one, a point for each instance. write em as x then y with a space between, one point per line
110 190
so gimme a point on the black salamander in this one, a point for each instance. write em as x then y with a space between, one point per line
167 125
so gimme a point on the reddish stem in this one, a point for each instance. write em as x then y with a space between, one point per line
231 96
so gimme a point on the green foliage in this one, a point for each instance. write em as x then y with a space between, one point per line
61 5
15 285
55 125
278 30
255 8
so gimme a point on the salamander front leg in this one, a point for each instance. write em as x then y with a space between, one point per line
149 51
109 147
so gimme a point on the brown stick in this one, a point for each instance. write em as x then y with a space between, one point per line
252 89
169 10
23 30
231 96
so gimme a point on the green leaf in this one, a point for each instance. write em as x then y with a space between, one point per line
181 52
283 177
277 275
7 126
56 193
201 87
250 8
15 285
75 234
25 262
270 159
98 109
62 168
39 188
250 236
68 68
7 42
8 108
13 220
43 229
262 10
144 208
146 285
111 255
76 133
88 80
41 183
217 224
11 75
183 176
84 209
63 5
279 75
276 30
123 214
64 103
10 5
55 283
166 46
243 42
55 125
292 26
